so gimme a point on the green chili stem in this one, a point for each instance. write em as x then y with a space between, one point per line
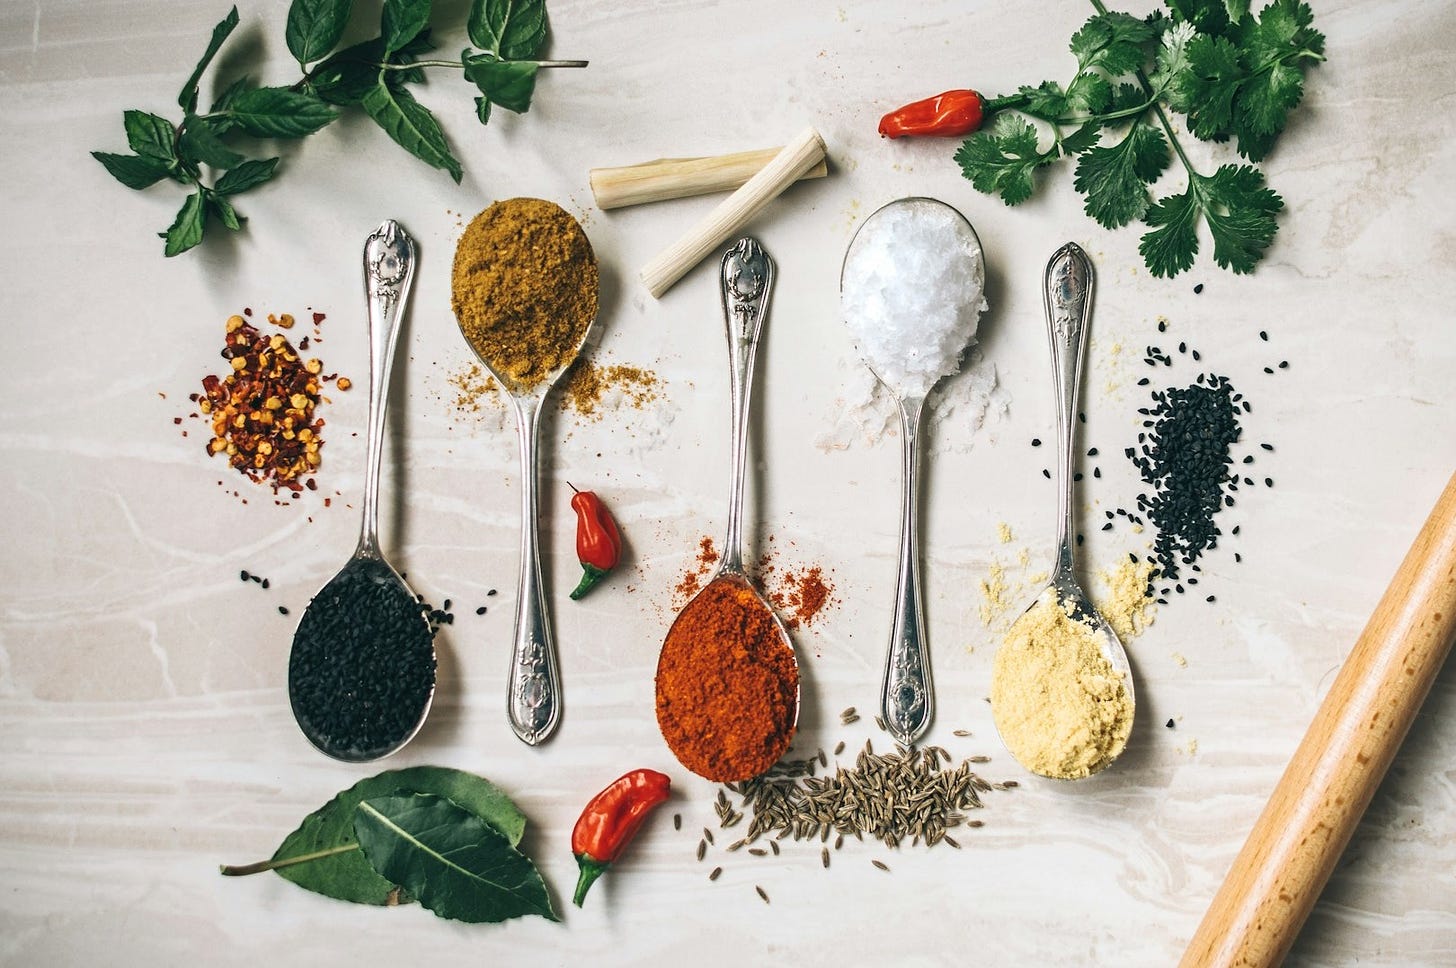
242 870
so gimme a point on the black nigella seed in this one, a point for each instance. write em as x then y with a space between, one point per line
1096 472
1198 289
1236 529
480 610
1283 364
256 578
490 593
1081 417
1268 482
1107 526
1036 441
1092 452
1209 598
445 607
1144 382
1182 347
1196 355
1238 557
1249 459
265 583
282 610
1077 476
1169 724
1046 473
244 575
1267 446
1263 335
1162 326
1268 370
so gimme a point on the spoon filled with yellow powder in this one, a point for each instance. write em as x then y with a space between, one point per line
1061 686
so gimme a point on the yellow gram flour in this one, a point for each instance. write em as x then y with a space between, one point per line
1059 706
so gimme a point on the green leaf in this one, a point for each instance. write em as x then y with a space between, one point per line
454 863
401 22
1172 56
411 125
1170 247
277 112
1003 160
1114 178
315 27
187 230
1081 140
224 211
510 29
482 110
187 100
1046 101
1089 93
200 143
1206 90
225 99
249 174
348 876
507 83
1240 212
1237 10
1114 42
353 72
133 171
150 135
1209 17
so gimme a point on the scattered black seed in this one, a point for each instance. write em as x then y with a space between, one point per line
1079 541
1238 557
282 609
1169 724
1198 289
1268 482
1036 441
1283 364
761 893
1196 355
363 663
1249 459
264 583
1267 446
244 575
1209 598
1107 526
256 578
1081 417
1077 476
446 606
480 610
677 821
1096 472
1263 335
1182 347
1268 369
1162 326
490 593
1092 452
1144 382
1046 473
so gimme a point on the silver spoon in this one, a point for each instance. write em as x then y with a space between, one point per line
361 671
907 694
1067 292
533 691
746 282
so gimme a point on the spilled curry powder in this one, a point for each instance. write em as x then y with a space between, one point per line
524 288
727 684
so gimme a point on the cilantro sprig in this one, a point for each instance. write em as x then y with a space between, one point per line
1231 74
373 75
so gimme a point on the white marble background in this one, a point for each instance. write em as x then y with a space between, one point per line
145 726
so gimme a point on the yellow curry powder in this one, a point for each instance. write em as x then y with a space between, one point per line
1058 704
524 289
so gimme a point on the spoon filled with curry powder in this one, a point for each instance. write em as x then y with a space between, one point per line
524 290
727 677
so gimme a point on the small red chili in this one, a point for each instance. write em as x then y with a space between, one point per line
952 113
598 542
610 821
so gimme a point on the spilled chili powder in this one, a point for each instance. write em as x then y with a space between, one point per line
727 685
800 595
693 580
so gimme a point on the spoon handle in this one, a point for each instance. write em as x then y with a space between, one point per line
745 285
389 268
1067 289
533 703
907 697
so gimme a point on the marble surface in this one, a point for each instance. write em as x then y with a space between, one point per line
146 730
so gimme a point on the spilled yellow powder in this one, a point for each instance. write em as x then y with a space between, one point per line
1003 531
1059 706
1123 599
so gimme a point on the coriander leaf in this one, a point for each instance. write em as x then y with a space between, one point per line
1080 140
411 125
1089 93
1170 247
249 174
133 171
224 211
453 862
1114 178
315 28
186 230
1240 212
348 876
1003 159
1237 10
1114 42
150 135
1172 56
507 83
277 112
401 21
345 77
1046 101
200 143
510 29
1206 89
187 100
1209 17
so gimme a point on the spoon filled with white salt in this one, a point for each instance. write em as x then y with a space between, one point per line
911 293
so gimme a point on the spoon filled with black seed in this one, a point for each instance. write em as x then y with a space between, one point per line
361 674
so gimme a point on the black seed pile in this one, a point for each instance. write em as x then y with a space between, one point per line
363 664
1183 456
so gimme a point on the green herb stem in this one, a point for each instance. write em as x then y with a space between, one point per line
242 870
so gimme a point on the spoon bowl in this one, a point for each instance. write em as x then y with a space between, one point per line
361 672
870 288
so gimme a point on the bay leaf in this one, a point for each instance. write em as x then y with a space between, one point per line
348 876
454 863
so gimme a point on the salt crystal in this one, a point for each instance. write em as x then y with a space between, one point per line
912 294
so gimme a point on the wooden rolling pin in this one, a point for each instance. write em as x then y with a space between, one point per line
656 181
1293 847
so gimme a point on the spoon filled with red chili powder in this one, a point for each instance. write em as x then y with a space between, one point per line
727 678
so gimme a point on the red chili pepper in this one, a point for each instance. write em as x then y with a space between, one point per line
952 113
610 821
598 543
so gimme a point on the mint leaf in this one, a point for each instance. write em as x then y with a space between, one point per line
277 112
133 171
315 27
1002 160
401 21
224 211
1113 42
225 99
348 75
454 863
187 100
186 230
507 83
150 135
1114 178
411 125
1240 212
510 29
200 143
482 110
249 174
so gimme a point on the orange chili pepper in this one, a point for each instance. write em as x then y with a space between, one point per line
610 821
948 114
598 542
